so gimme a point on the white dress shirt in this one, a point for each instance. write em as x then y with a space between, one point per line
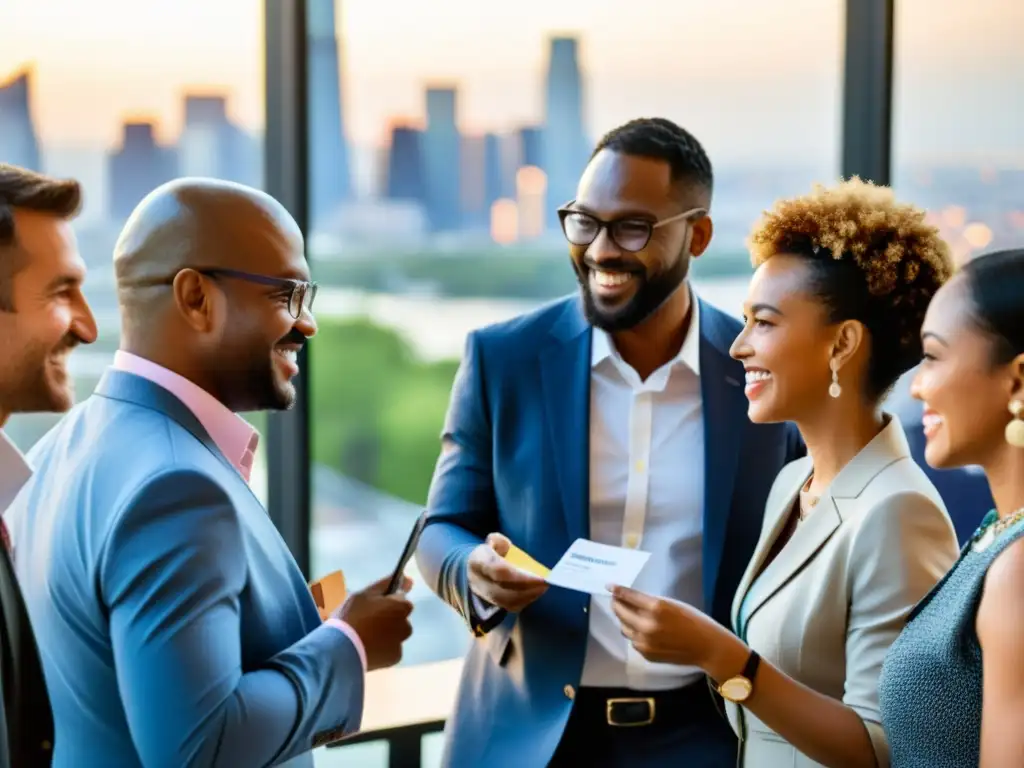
14 471
647 492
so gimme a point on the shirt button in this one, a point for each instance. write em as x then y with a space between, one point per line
632 540
640 466
570 692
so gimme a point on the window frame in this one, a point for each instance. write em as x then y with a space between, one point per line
866 126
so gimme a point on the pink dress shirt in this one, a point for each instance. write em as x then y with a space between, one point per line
236 438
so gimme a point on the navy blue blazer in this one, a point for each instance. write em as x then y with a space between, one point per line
515 459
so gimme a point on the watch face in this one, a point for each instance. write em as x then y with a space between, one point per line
736 689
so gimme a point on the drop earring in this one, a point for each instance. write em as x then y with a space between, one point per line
834 390
1015 429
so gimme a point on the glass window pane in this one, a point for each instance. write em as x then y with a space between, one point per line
958 151
123 102
435 174
959 96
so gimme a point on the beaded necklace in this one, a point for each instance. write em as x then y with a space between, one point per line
988 534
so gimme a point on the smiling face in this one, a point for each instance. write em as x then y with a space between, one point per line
786 344
965 392
261 336
623 279
48 315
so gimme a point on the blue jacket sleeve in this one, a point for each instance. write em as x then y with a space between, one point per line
171 573
462 504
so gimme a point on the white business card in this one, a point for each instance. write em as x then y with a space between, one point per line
590 567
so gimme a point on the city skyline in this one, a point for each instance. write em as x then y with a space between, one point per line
744 69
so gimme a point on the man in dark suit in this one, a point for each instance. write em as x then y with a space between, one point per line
43 315
616 416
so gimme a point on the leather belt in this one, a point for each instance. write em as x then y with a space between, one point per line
627 708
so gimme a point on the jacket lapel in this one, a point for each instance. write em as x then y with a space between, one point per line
725 411
776 517
836 504
565 381
807 539
129 388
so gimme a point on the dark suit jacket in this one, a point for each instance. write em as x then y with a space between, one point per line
26 706
515 459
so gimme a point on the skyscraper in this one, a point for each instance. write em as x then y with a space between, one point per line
565 147
18 142
136 168
212 145
329 169
405 164
494 170
442 160
531 146
476 208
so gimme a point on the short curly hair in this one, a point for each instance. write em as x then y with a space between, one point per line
873 259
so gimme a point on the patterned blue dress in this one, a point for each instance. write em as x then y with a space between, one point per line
930 686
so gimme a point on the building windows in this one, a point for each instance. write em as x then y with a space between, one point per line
124 102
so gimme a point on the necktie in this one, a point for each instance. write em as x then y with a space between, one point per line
5 538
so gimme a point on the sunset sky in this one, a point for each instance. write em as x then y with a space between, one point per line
754 79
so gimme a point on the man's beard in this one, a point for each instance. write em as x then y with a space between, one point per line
40 382
650 295
255 384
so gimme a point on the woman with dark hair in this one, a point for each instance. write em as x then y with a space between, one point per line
854 534
952 687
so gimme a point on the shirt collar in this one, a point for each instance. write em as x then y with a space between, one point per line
602 346
15 471
236 438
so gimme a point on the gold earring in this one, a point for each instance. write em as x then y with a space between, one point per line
1015 429
834 390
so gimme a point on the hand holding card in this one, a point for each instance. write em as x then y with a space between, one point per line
500 582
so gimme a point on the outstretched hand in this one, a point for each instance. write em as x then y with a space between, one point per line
494 579
667 631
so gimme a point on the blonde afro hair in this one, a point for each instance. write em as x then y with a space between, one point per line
878 261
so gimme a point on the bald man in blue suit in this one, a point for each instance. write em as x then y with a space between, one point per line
174 626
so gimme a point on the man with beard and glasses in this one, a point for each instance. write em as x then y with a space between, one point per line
43 315
616 416
174 625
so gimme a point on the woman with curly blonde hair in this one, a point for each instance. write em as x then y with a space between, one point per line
854 534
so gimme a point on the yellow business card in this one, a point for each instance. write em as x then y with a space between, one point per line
329 592
523 561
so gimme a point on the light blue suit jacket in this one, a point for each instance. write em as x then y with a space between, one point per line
174 625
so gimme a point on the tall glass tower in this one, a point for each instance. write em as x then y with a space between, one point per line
564 146
330 171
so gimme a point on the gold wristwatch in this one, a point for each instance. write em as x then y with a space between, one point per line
738 688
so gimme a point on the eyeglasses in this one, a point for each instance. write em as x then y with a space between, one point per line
629 233
302 293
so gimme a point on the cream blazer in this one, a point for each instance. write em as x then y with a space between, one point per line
827 608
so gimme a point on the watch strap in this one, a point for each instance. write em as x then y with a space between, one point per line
750 669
